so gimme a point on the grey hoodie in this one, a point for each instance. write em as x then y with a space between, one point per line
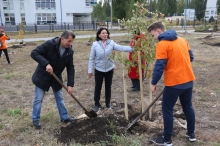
99 55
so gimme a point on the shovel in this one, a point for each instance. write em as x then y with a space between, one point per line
90 114
142 114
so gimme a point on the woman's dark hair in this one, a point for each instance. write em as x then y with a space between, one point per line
99 31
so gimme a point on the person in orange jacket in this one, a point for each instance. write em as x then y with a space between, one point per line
3 46
133 71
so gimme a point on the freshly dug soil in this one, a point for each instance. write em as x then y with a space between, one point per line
108 123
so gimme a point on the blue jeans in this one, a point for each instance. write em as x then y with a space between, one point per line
39 95
170 97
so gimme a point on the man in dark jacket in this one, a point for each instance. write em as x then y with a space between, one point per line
52 57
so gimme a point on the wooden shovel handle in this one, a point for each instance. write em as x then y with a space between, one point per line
146 110
61 83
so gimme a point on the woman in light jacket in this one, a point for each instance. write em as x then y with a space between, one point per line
101 50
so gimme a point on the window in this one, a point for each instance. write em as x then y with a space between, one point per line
22 17
45 4
9 18
46 18
21 5
212 12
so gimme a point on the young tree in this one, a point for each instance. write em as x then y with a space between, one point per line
200 8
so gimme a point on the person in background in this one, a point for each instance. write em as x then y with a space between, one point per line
3 46
100 59
173 57
53 56
133 70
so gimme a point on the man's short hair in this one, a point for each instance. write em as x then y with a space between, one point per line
68 33
156 25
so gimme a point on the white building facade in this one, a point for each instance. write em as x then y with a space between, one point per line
211 11
45 11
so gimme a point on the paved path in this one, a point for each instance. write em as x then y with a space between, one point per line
81 36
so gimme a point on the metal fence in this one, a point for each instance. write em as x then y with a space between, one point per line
54 27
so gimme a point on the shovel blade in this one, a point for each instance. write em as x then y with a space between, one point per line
91 114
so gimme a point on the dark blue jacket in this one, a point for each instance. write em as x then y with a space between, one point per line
160 64
48 53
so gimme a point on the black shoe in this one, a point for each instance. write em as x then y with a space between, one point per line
191 137
162 141
135 89
69 120
37 124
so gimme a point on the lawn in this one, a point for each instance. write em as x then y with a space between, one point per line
17 93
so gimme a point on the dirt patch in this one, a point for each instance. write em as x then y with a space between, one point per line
212 39
110 123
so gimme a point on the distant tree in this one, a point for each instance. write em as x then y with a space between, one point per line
200 8
211 19
218 6
98 12
122 9
107 8
167 7
152 6
191 4
180 7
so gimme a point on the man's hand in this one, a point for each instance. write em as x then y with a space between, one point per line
153 88
70 89
89 75
49 69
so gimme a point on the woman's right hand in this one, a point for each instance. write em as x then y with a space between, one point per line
90 75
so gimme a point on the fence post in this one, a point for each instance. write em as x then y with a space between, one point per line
64 25
18 27
52 27
68 26
79 26
74 25
83 26
96 25
107 24
35 27
93 25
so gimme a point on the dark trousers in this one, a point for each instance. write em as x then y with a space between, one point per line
170 97
135 83
6 54
99 76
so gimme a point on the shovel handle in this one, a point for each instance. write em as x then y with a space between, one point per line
61 83
146 110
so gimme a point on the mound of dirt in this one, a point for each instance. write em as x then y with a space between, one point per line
212 39
112 122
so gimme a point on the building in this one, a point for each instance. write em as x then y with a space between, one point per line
190 14
45 11
211 11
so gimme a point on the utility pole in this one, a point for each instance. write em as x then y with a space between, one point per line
185 15
111 14
1 17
